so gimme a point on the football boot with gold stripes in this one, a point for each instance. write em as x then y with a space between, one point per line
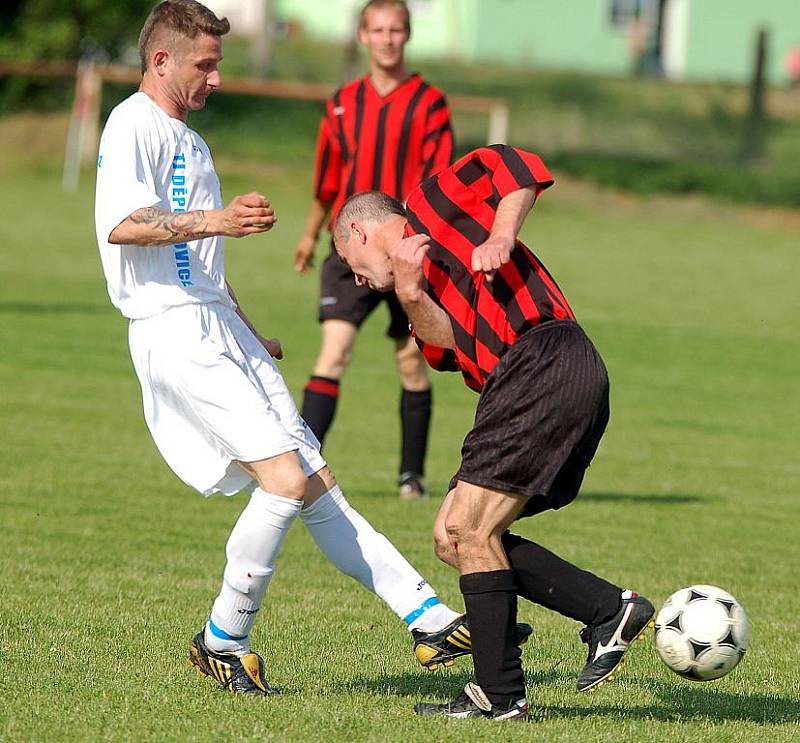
241 675
435 649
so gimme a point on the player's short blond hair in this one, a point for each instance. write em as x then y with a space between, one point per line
173 20
380 5
367 206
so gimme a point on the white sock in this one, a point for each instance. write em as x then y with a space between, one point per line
350 542
252 549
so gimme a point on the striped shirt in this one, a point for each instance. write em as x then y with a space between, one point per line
456 208
369 142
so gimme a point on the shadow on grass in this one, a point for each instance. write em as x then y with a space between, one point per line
658 499
439 685
61 308
678 701
681 702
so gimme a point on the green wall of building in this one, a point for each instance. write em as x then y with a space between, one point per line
722 37
576 35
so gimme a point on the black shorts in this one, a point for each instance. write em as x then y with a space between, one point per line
540 418
341 299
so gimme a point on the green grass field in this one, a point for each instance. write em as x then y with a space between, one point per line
108 564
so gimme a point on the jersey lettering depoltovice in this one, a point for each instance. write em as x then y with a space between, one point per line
148 159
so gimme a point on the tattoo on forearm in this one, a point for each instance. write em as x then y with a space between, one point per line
182 225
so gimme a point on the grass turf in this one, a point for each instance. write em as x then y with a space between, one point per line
109 565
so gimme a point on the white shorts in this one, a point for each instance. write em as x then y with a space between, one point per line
212 395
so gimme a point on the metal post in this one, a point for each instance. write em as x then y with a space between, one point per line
753 141
498 124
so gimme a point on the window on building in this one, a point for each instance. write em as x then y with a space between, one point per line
624 12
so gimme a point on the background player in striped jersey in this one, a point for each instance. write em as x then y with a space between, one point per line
386 132
483 304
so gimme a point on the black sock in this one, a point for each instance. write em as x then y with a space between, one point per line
415 418
556 584
491 602
319 404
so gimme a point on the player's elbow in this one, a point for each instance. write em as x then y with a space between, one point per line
115 237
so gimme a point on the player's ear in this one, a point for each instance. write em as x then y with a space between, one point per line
359 232
159 60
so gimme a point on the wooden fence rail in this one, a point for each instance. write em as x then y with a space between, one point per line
84 129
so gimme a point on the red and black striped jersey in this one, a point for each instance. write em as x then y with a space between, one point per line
391 143
456 208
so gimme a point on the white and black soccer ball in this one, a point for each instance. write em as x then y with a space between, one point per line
701 632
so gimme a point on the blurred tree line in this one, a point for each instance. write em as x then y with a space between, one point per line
64 29
32 30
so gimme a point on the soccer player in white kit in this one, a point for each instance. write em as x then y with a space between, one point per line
214 400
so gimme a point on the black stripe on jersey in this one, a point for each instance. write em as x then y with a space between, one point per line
532 283
515 164
453 214
470 172
555 298
402 148
437 105
487 335
380 141
437 132
493 200
504 296
337 104
351 181
323 166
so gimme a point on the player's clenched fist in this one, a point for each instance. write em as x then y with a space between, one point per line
491 255
248 214
407 257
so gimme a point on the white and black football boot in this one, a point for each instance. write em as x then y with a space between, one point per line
609 641
472 702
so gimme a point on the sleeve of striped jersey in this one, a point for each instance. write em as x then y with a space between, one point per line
441 359
511 169
437 146
327 175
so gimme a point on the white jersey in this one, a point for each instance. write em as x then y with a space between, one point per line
149 159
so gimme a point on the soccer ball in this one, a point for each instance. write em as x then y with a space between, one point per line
701 632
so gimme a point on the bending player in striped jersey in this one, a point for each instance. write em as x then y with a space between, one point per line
483 304
386 131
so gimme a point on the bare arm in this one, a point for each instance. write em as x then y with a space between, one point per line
245 215
304 252
511 213
431 323
272 345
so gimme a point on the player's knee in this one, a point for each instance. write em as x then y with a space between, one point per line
411 368
333 361
444 550
290 482
464 537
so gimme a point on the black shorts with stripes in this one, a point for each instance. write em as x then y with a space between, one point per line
341 299
540 418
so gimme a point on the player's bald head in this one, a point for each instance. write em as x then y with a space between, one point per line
368 206
172 22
